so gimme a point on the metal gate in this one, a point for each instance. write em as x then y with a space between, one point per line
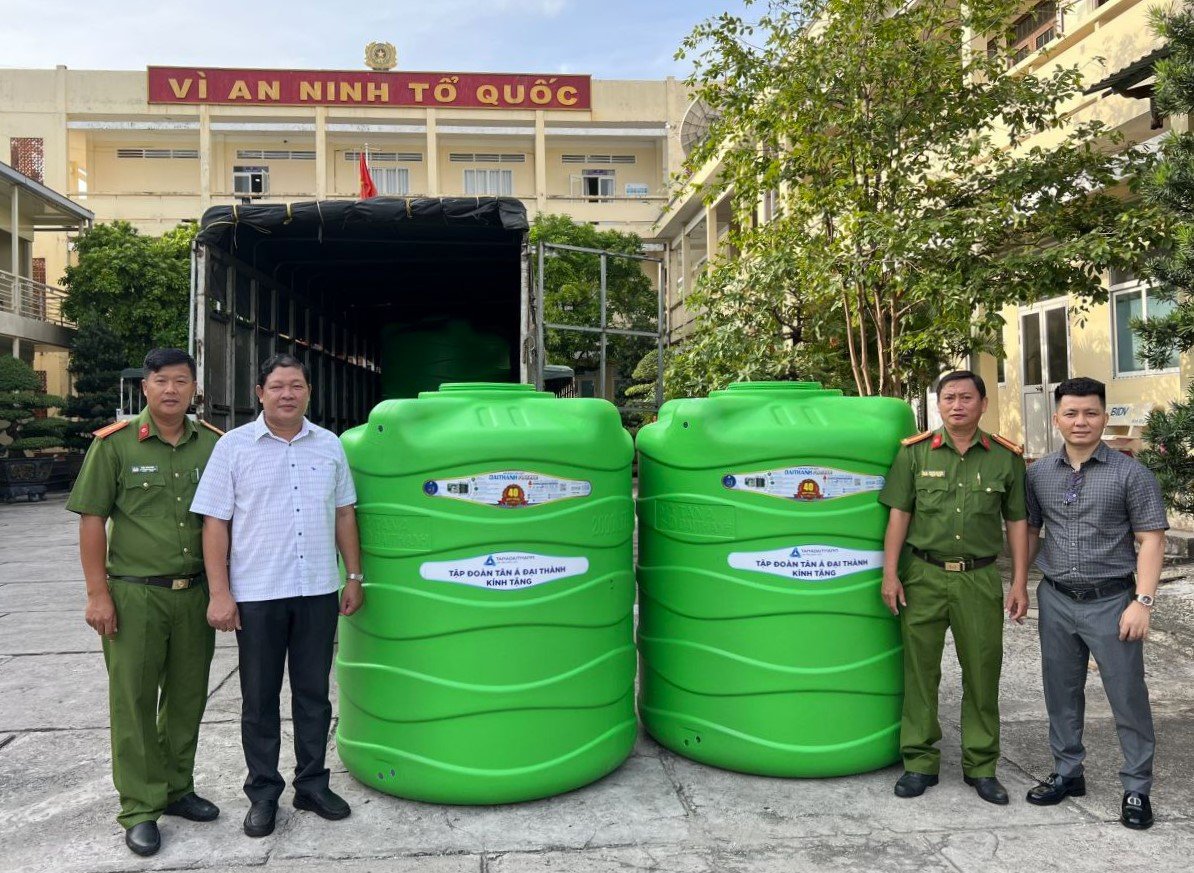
603 330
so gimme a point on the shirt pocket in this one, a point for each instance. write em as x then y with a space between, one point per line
323 478
143 493
987 496
932 494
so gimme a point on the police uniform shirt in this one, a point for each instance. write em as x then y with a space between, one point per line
957 501
145 486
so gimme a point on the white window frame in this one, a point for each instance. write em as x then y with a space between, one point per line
496 183
242 174
1122 289
391 181
607 185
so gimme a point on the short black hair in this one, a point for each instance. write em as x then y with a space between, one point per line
960 375
1081 386
159 358
282 360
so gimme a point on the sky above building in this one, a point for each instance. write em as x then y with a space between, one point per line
609 39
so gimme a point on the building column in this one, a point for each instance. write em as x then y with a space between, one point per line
432 154
685 266
204 158
541 160
711 241
321 153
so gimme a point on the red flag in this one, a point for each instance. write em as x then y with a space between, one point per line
368 189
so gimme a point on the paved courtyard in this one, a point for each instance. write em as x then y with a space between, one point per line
657 812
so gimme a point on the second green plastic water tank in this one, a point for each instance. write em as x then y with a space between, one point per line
493 660
764 643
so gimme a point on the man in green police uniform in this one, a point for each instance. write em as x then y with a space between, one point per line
147 595
948 490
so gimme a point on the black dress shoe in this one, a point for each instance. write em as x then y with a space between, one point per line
914 784
143 838
325 804
193 807
259 820
1137 811
988 788
1056 788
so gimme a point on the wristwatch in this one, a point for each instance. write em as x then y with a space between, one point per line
1146 599
360 577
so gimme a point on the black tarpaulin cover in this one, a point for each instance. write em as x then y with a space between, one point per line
378 218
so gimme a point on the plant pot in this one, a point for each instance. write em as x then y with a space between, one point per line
24 477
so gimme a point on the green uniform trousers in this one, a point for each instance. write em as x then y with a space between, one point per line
157 663
972 605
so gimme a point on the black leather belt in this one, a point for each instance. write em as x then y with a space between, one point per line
175 583
955 565
1095 592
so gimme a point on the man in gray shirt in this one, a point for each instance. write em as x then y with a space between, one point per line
1095 600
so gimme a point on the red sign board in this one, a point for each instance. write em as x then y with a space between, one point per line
192 85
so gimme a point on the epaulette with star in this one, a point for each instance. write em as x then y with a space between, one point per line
919 438
1008 444
211 427
110 429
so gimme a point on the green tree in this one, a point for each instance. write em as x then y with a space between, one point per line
1171 188
573 290
97 356
912 208
20 396
136 284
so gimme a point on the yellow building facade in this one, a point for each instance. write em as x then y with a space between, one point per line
154 164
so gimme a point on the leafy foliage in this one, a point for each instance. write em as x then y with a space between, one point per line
97 356
138 285
20 396
1170 452
912 206
1171 188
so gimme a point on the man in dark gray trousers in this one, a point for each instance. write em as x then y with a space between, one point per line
1095 600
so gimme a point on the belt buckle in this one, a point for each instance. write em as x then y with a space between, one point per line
180 584
955 566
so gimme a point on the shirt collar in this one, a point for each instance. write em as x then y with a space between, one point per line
147 427
942 438
1101 454
260 428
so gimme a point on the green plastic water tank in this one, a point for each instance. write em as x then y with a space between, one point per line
493 660
765 645
422 356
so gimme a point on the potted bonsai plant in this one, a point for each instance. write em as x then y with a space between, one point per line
24 429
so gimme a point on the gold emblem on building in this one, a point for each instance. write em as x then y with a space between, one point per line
381 56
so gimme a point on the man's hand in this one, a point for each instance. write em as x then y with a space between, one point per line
351 597
893 593
101 614
222 613
1016 604
1133 622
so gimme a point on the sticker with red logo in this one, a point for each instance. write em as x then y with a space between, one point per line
510 489
803 483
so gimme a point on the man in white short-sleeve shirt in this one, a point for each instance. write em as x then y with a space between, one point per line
278 501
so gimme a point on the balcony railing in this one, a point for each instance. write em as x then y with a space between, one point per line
30 299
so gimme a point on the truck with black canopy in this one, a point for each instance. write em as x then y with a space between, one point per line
380 298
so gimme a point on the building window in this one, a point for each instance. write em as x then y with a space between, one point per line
394 181
489 183
1033 31
1136 300
250 181
29 156
593 184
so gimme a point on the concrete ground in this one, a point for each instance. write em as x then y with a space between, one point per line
657 812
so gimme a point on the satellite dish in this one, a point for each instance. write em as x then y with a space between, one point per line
698 119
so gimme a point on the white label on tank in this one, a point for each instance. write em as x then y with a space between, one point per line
808 563
508 488
504 570
803 483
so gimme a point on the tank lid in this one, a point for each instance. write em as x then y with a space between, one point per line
485 387
789 388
